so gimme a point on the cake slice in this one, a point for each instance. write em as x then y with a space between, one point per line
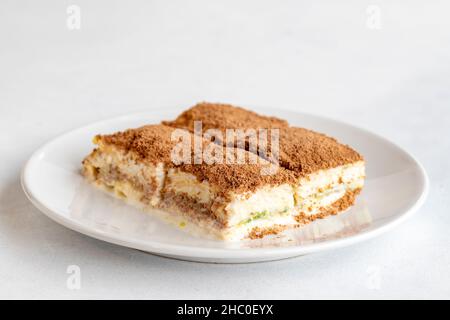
194 179
328 174
227 201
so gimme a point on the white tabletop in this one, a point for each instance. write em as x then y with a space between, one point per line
390 75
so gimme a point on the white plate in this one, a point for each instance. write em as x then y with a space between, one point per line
396 186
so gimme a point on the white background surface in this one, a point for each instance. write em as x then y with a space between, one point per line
302 55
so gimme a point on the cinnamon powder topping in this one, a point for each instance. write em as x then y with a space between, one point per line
304 151
224 116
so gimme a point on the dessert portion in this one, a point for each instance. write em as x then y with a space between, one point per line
311 175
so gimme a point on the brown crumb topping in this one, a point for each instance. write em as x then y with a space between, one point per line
224 116
304 151
151 142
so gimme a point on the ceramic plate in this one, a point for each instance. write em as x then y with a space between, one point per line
396 186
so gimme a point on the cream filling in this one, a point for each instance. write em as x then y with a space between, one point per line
322 188
263 204
181 182
113 166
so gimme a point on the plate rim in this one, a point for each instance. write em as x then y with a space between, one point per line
222 253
